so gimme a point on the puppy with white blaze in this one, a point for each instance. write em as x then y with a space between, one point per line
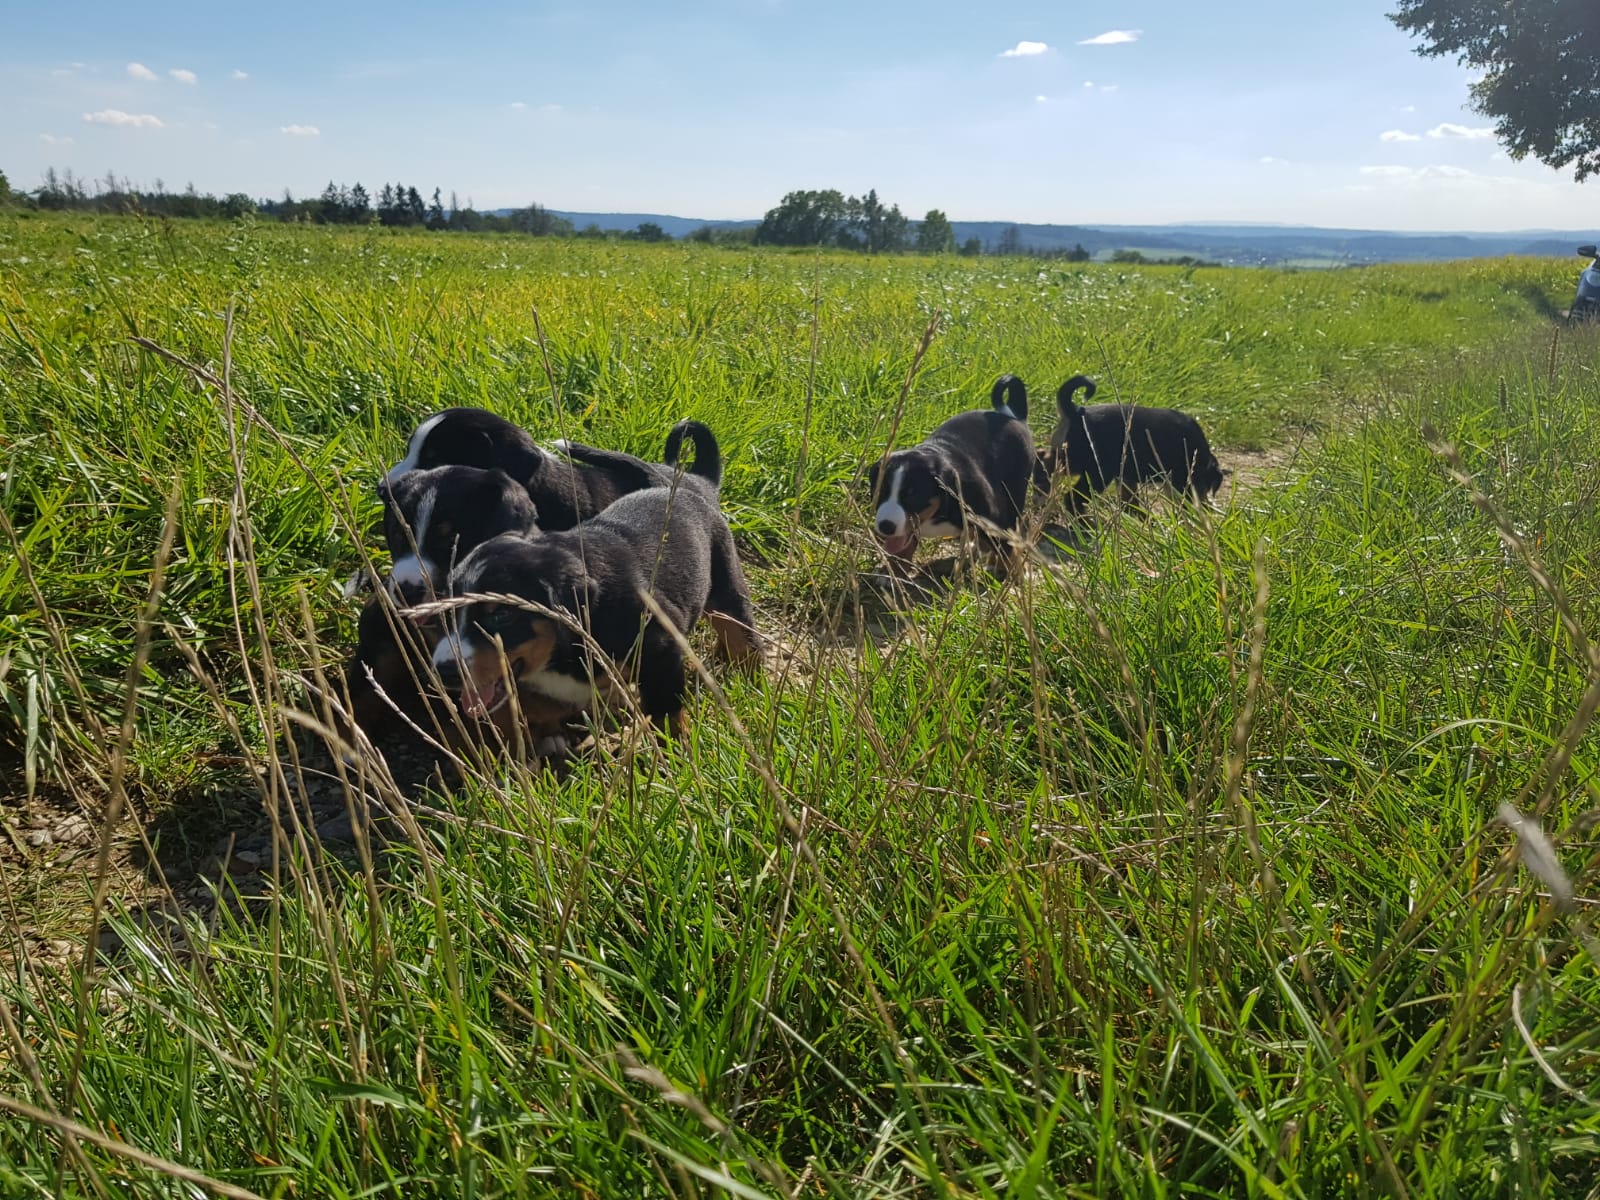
979 463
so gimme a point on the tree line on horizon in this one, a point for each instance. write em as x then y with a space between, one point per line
819 218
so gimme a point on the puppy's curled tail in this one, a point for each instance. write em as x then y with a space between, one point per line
1010 395
707 454
1064 401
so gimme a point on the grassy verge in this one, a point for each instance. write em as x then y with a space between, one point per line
1174 869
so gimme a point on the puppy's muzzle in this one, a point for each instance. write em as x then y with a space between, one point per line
449 671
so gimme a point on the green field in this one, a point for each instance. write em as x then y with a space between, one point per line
1173 868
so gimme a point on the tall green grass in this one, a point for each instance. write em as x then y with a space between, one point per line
1172 869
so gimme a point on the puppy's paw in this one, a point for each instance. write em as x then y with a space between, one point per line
555 746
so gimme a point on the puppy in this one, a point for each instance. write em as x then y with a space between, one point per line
564 493
670 542
1101 444
978 463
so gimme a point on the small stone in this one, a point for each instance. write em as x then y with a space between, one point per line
338 829
244 862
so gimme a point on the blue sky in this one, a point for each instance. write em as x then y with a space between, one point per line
1108 111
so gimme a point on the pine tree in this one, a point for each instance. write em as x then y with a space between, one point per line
329 209
936 235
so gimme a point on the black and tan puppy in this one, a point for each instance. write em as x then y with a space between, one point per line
1127 444
978 463
564 492
671 543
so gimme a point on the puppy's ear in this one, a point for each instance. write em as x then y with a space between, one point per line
872 483
949 482
498 482
526 463
500 492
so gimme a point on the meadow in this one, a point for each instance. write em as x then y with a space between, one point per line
1241 853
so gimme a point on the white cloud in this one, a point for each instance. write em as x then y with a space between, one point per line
140 71
1439 173
183 76
1398 135
238 74
1272 160
50 139
1041 99
1408 108
518 105
300 130
1447 130
1024 50
1113 37
115 116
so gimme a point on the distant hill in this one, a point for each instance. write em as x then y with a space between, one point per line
1235 245
675 226
1267 245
